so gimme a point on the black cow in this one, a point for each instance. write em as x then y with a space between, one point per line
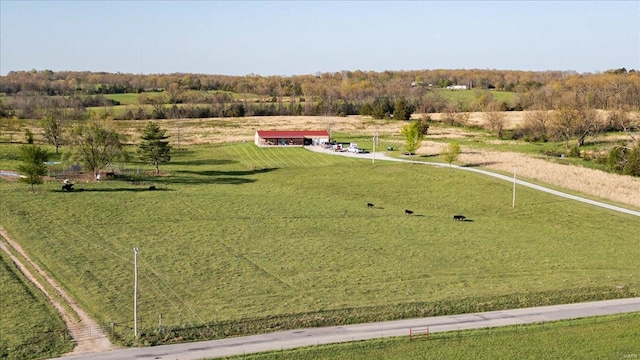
369 205
408 212
67 187
459 217
152 187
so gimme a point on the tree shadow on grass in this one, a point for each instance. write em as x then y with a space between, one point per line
479 164
428 156
227 173
189 177
235 177
200 180
131 189
204 162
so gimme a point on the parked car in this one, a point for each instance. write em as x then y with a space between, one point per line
353 147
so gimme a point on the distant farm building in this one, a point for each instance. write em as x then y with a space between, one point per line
291 137
457 87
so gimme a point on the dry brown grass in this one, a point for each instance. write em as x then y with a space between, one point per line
618 188
512 118
238 129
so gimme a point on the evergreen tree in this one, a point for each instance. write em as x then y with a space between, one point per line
632 166
154 148
403 110
33 165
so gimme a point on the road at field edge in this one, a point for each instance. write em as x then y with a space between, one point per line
337 334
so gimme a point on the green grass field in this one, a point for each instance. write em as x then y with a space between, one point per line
237 232
468 96
29 327
126 98
610 337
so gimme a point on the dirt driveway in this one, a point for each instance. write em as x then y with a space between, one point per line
85 332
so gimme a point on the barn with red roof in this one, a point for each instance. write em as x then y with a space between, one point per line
291 137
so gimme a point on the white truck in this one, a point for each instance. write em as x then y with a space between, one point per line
353 147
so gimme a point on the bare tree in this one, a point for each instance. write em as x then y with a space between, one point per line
53 127
590 123
621 120
495 122
536 125
564 124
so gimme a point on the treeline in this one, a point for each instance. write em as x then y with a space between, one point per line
340 93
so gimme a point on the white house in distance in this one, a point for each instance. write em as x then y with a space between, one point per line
291 137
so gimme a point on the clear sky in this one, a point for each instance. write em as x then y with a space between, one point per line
305 37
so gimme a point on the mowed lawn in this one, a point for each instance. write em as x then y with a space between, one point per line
237 232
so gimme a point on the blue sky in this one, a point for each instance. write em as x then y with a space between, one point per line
305 37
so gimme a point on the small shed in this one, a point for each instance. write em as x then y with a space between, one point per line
291 137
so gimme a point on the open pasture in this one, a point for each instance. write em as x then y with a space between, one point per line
237 232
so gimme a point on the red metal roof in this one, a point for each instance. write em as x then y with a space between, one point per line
291 133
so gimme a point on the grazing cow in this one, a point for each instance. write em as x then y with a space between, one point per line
408 212
67 187
369 205
459 217
152 187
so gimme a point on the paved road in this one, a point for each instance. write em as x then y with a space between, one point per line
382 156
316 336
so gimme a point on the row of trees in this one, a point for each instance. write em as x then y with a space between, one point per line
332 93
352 85
574 126
95 145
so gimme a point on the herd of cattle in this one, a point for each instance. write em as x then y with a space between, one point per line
410 212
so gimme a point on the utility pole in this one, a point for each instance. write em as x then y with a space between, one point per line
135 292
375 142
514 188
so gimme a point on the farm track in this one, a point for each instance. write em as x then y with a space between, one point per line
84 331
